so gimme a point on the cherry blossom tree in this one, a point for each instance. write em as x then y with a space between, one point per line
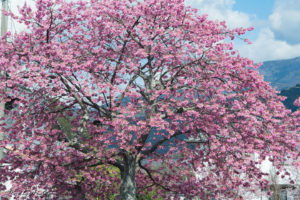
149 88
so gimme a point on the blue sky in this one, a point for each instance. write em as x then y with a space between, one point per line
276 22
261 8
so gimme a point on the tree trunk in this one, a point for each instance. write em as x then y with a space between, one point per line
79 193
128 186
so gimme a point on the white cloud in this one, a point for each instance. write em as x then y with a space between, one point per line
285 20
222 10
267 47
280 39
278 36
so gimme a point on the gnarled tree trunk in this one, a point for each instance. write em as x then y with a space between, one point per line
128 186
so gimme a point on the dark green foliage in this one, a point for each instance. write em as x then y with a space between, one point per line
292 94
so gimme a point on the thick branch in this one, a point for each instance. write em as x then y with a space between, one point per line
150 176
156 145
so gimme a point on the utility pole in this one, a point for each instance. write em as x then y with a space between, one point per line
4 20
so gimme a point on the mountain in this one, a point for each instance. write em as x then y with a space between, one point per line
282 74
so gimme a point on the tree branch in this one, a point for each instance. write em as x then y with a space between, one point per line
156 145
150 175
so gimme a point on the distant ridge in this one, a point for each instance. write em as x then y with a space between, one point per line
282 74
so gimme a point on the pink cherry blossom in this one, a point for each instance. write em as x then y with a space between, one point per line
114 98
